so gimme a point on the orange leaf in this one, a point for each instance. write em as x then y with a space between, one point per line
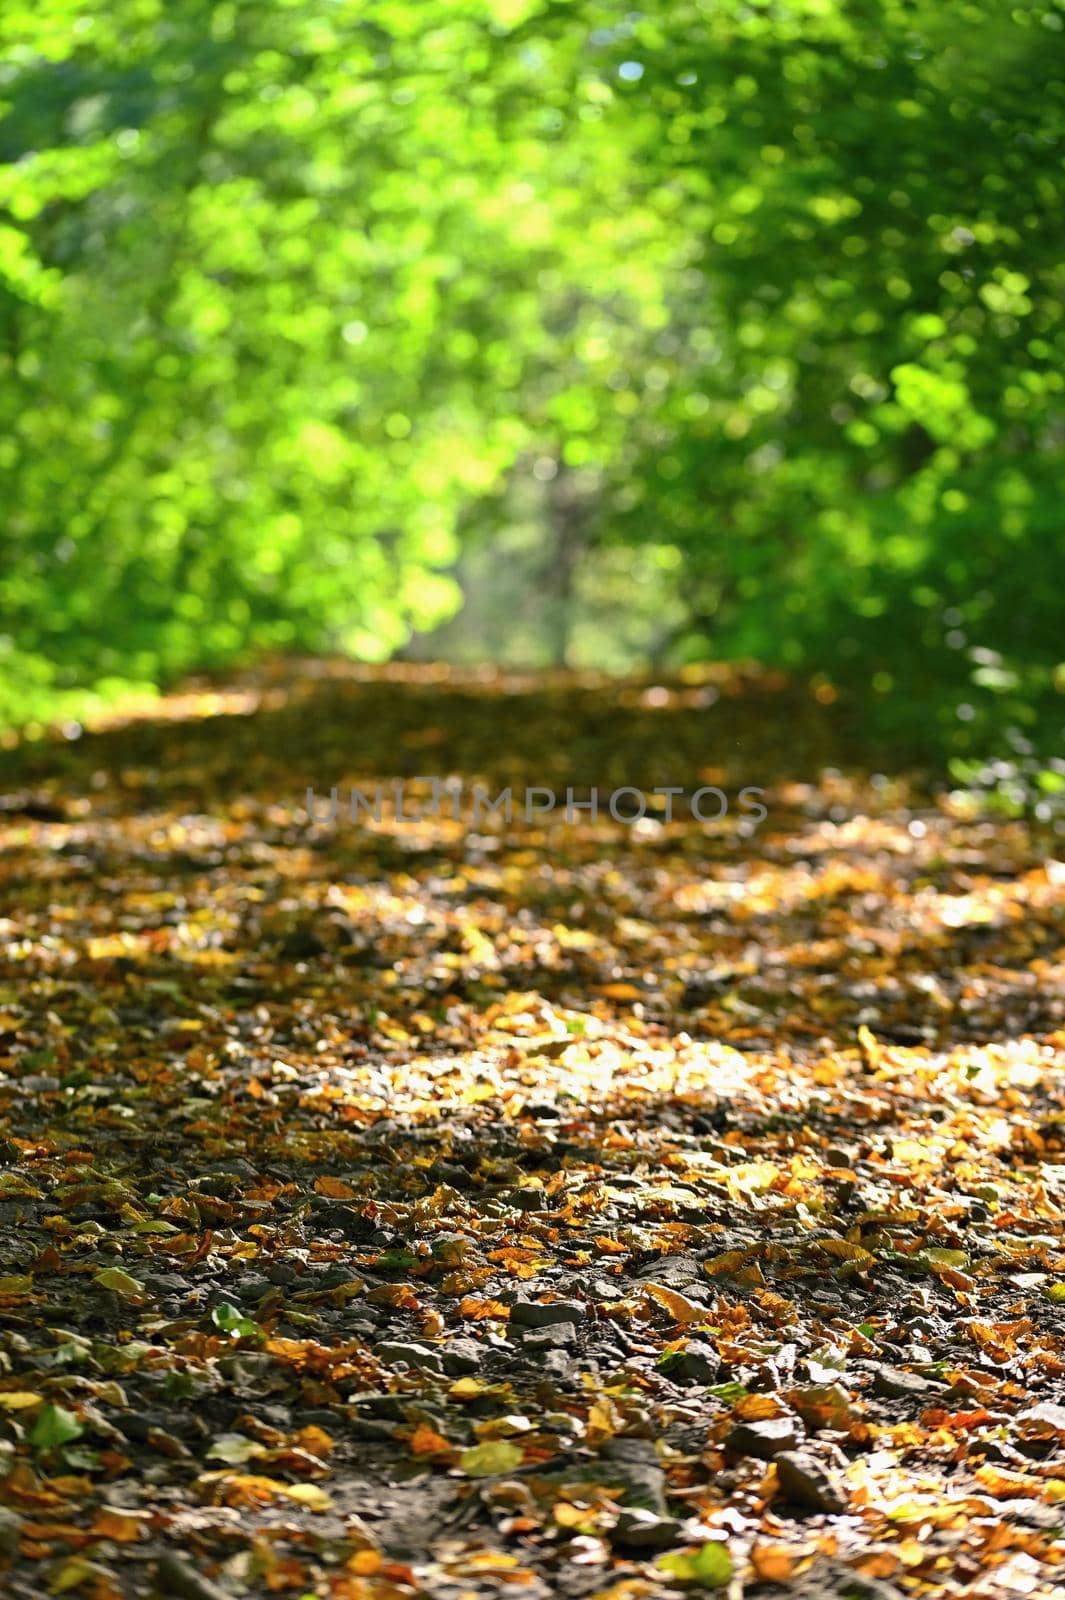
314 1439
425 1441
334 1189
772 1563
125 1527
364 1563
397 1295
475 1310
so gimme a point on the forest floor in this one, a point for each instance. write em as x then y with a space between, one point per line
481 1210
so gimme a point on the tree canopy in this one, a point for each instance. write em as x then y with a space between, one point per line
762 301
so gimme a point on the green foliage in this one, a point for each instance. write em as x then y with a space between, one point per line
55 1426
859 442
758 306
227 1319
709 1567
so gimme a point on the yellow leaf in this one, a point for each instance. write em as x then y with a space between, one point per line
486 1460
844 1251
602 1421
466 1388
753 1177
680 1308
72 1574
731 1261
870 1046
568 1516
308 1494
243 1488
19 1400
908 1151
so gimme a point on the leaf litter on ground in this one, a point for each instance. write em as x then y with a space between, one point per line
547 1209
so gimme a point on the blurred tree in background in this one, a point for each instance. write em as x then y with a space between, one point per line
700 328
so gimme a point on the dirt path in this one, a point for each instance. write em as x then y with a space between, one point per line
465 1208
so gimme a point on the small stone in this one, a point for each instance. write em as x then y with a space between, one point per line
166 1282
448 1172
10 1528
330 1217
176 1577
1049 1417
253 1286
461 1356
633 1465
555 1337
222 1185
764 1439
637 1529
828 1578
415 1355
1036 1513
390 1407
367 1428
336 1278
894 1383
805 1482
302 944
250 1372
699 1362
1040 1427
533 1314
676 1272
234 1167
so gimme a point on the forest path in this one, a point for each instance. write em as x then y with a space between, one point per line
464 1207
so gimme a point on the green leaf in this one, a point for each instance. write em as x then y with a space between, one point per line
227 1319
947 1258
729 1391
39 1058
485 1460
179 1386
396 1260
55 1426
709 1567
